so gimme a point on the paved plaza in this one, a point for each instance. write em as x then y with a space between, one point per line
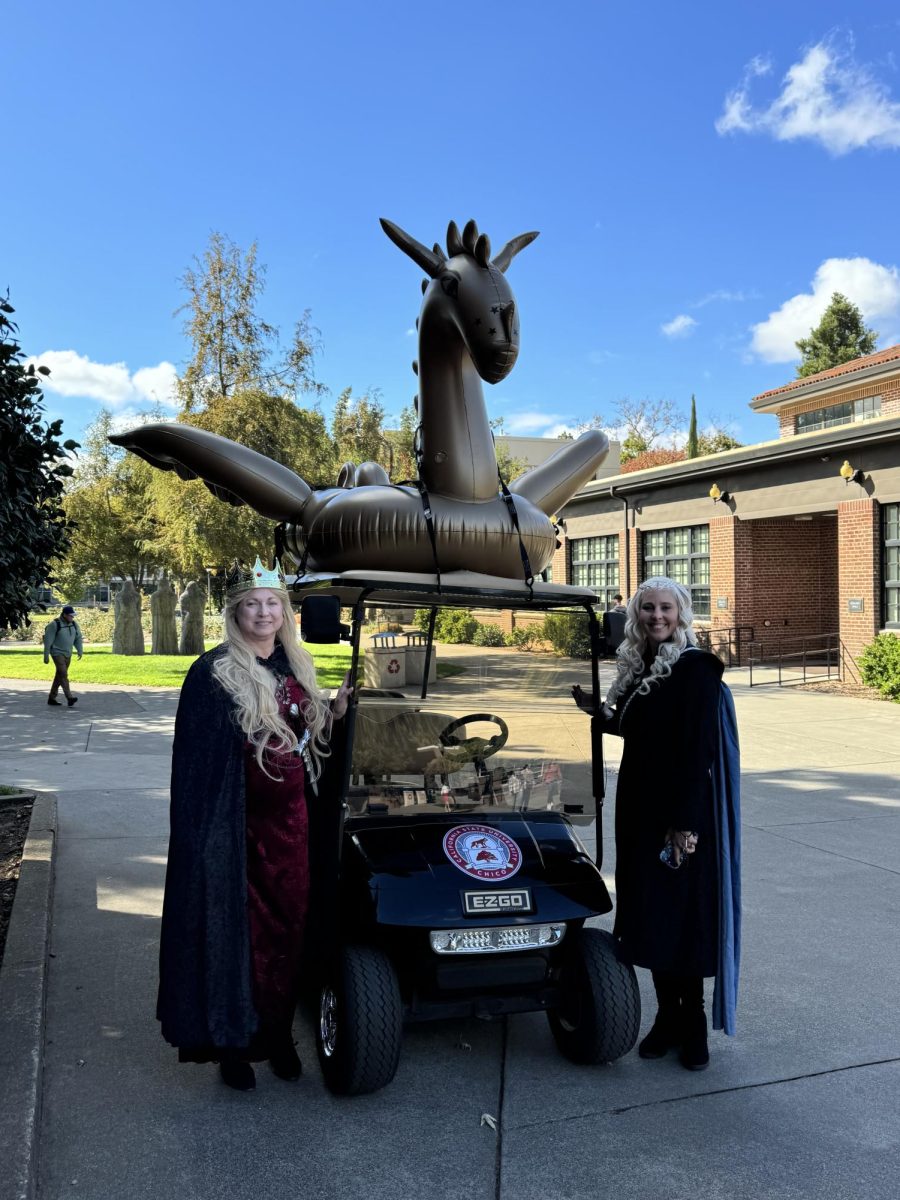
804 1102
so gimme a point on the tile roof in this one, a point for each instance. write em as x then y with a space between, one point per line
857 364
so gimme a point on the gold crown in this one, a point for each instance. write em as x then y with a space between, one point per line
240 579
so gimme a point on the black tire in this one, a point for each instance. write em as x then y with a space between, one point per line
600 1014
360 1022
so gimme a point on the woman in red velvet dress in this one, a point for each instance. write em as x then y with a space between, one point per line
251 738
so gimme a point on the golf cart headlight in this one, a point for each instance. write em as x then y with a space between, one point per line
497 940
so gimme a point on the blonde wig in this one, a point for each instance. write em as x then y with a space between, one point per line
632 653
252 688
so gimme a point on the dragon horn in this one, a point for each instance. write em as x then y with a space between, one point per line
425 258
512 248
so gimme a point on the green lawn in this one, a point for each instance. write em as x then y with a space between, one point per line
100 665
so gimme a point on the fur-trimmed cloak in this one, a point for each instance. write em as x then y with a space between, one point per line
205 992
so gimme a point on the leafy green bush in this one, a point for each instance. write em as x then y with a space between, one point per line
421 617
455 625
879 665
568 634
95 624
213 627
524 637
488 635
23 633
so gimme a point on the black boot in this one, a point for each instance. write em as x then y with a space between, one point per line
285 1062
665 1033
238 1075
694 1048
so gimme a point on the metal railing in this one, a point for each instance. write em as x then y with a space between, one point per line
798 659
730 644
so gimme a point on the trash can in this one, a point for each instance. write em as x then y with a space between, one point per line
385 662
416 647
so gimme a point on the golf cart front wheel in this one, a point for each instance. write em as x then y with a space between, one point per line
599 1017
360 1022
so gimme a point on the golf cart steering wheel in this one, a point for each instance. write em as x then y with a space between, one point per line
480 748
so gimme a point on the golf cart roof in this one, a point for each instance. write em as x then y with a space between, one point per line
454 588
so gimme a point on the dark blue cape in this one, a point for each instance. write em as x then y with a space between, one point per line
726 775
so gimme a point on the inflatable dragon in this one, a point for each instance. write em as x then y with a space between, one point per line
456 518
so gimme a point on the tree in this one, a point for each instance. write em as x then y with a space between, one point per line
109 501
33 469
644 422
652 458
714 440
195 529
357 428
839 337
401 442
692 449
234 347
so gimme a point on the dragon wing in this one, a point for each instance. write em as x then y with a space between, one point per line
230 471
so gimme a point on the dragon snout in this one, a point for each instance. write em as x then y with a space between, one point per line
508 317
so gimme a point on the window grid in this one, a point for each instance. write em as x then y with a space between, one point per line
595 564
891 540
681 554
846 413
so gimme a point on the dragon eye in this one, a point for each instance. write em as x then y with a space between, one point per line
450 285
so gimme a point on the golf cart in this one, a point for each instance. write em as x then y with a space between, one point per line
453 880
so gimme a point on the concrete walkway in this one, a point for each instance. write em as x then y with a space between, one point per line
803 1103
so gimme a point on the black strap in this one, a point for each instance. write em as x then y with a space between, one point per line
511 505
426 502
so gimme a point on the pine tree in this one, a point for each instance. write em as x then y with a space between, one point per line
839 337
692 449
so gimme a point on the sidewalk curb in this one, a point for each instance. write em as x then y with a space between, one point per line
23 992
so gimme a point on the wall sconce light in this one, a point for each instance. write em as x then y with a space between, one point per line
716 494
850 474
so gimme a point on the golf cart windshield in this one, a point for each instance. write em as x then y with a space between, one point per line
496 730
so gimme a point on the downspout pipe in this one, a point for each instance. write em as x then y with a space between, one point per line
614 495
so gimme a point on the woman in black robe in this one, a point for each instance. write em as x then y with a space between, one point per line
664 703
251 738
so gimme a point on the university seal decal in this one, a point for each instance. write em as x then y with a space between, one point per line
482 852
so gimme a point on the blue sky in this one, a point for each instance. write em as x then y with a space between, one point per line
703 176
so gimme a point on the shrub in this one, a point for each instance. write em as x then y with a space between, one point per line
523 637
213 627
96 625
568 633
455 625
23 633
489 635
879 665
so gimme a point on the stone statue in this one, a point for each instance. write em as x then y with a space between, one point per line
468 332
193 606
128 636
164 638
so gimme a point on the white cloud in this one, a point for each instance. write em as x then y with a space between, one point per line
112 384
131 418
534 424
679 327
721 296
873 288
827 97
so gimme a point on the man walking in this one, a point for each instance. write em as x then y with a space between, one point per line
60 638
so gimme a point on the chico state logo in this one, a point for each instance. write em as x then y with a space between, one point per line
482 852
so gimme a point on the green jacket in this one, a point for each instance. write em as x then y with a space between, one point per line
62 638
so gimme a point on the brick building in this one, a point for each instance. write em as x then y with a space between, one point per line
785 540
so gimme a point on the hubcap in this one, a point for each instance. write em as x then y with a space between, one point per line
328 1021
